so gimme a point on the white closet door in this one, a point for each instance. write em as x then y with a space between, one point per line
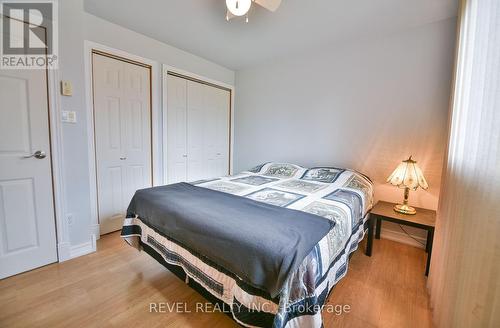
196 125
122 134
216 132
223 131
27 228
176 129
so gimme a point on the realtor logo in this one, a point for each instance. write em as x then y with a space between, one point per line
29 35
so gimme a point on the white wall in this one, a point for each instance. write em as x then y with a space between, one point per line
75 167
75 27
367 105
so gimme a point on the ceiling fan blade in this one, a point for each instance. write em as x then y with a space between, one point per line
271 5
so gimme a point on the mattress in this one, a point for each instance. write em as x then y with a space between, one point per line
340 195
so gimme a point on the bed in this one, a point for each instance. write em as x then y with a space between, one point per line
266 245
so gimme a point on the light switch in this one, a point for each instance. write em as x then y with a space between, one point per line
66 88
68 116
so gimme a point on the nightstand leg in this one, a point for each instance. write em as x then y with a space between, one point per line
427 243
430 239
379 226
369 242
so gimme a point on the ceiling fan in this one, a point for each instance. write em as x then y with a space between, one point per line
238 8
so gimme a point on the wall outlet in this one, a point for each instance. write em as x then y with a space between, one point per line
70 219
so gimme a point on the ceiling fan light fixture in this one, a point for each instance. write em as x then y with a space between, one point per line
238 7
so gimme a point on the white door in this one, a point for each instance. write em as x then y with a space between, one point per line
176 129
198 125
27 226
122 113
216 138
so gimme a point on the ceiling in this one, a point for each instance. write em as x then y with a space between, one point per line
199 26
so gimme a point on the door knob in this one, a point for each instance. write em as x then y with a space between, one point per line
38 154
184 155
123 158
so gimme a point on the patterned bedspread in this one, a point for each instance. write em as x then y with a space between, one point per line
344 196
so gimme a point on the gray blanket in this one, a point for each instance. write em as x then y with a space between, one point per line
260 243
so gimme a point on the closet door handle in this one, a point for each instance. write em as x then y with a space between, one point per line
185 155
123 158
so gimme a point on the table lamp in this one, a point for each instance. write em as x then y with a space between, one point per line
408 176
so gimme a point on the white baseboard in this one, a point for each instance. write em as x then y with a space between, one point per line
83 248
95 230
64 251
402 238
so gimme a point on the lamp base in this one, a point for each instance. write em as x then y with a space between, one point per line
405 209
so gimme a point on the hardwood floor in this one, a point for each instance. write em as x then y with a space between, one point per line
115 286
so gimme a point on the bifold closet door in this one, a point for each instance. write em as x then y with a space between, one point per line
122 113
216 132
176 129
198 123
196 127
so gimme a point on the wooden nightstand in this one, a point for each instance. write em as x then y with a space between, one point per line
424 219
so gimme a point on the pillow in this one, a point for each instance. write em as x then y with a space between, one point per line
278 170
257 168
322 174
